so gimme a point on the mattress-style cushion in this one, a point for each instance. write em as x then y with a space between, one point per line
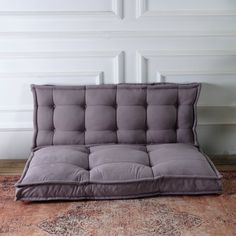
116 171
115 142
122 114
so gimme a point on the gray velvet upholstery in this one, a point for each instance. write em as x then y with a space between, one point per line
116 141
130 114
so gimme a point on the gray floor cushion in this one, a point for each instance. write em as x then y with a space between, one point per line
115 142
117 171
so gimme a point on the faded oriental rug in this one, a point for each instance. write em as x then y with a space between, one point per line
172 216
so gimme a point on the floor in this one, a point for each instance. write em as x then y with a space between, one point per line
212 215
11 167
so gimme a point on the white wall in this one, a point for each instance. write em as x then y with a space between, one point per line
112 41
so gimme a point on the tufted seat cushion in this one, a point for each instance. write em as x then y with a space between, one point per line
61 163
119 163
117 171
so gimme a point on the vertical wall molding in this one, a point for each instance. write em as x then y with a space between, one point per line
118 65
117 8
141 7
99 78
141 68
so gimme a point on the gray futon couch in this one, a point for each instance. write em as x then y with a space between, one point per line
116 142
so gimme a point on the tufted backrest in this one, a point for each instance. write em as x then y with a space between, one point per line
124 113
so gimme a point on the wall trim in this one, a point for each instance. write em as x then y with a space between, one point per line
16 127
116 11
98 75
141 68
16 109
143 11
55 54
142 58
117 8
200 72
108 34
144 53
171 53
117 62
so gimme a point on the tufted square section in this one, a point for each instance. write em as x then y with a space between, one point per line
162 114
44 138
44 116
187 94
44 95
59 164
178 160
187 98
100 114
69 112
68 137
119 163
71 96
161 117
131 114
72 121
129 95
162 94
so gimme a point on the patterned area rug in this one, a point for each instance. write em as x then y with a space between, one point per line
169 216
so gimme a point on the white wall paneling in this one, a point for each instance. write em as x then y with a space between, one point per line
15 144
114 41
78 8
116 58
155 8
